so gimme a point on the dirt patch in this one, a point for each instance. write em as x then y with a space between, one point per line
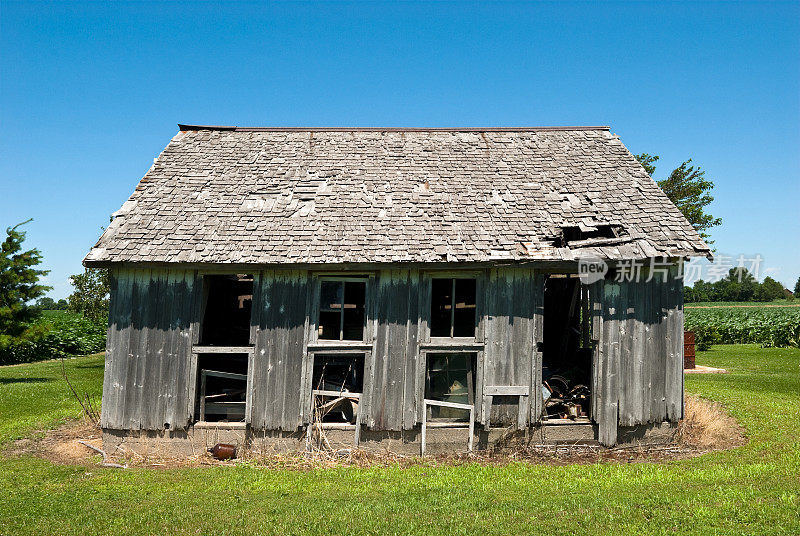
60 445
707 427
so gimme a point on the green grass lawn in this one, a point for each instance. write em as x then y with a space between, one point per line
35 396
754 489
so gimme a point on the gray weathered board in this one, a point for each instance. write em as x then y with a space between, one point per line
150 377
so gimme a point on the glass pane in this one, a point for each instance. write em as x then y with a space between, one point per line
441 305
330 296
464 318
450 377
330 310
354 295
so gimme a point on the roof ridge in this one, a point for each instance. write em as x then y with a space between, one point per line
184 127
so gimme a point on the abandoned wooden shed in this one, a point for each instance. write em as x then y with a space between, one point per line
394 286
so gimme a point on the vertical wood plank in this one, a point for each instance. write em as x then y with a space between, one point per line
411 352
118 342
613 330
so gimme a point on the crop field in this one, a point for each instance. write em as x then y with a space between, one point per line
767 326
750 304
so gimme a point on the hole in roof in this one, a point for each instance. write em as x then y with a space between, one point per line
575 233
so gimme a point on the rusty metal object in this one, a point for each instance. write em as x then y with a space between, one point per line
688 350
223 451
565 402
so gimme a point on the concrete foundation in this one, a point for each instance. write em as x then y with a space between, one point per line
200 437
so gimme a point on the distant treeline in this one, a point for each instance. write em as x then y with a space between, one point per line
738 286
49 304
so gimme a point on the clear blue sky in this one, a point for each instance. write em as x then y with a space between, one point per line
90 94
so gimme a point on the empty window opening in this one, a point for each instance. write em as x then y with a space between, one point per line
341 310
450 377
341 375
222 387
567 348
226 315
453 311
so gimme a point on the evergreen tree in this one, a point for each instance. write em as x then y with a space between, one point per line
19 285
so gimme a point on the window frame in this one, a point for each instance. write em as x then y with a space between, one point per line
306 396
427 303
200 302
422 373
313 320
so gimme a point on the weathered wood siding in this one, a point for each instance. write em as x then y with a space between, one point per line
513 322
150 378
280 305
148 352
389 399
638 372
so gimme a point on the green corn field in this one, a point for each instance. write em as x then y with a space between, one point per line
767 326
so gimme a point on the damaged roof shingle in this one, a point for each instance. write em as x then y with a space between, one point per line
234 195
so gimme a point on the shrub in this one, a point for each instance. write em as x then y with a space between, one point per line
705 337
56 334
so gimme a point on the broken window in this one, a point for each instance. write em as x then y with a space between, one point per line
567 348
338 377
341 310
221 374
223 387
453 310
226 315
450 377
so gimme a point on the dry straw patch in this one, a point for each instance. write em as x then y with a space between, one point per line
707 426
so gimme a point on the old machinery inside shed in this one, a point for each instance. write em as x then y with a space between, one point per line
567 349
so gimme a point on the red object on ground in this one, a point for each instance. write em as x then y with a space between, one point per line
223 451
688 349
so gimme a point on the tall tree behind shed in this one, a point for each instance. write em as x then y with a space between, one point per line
689 189
91 294
19 285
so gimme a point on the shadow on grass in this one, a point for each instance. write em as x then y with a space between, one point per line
5 381
90 366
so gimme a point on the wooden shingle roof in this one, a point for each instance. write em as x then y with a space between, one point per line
287 196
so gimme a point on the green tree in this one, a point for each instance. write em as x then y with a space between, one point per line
739 285
689 190
46 304
797 288
648 162
688 295
19 285
702 291
91 294
769 290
